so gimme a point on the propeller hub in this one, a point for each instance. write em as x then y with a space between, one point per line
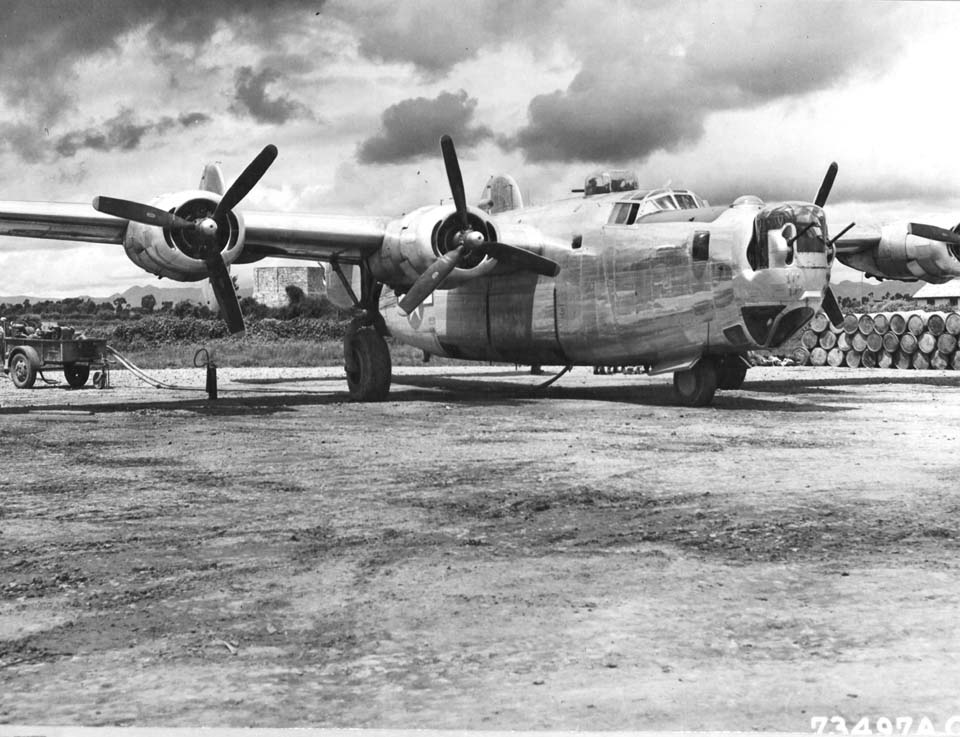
207 227
472 239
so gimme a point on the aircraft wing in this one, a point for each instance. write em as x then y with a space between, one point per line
285 235
59 221
347 238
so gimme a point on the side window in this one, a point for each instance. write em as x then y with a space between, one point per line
701 245
632 217
685 201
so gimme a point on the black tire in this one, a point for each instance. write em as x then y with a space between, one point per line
733 371
22 371
696 386
77 374
369 367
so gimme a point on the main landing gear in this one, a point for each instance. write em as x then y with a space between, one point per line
696 386
366 356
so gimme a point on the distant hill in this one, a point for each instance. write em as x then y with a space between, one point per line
856 290
133 295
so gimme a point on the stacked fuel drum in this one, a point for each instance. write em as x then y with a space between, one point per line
909 340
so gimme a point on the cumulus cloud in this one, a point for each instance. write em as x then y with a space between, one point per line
413 127
651 74
434 35
122 132
43 41
251 97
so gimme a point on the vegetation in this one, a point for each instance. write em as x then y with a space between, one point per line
308 331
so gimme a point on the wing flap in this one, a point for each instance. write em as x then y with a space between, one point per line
315 237
60 221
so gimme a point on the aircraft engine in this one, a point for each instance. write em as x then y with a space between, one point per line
182 255
909 251
413 244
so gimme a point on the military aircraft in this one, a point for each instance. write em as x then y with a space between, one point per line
613 275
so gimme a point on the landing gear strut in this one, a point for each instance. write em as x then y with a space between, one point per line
696 386
366 356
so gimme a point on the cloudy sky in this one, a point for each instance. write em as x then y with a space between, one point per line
130 98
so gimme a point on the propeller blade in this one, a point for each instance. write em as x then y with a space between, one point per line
826 185
140 213
455 178
430 279
246 181
933 233
521 258
226 294
831 308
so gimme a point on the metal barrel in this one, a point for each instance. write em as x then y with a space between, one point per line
802 357
851 324
835 357
891 342
874 342
915 323
921 361
939 361
809 339
908 344
947 344
881 323
819 323
865 324
828 340
955 361
927 343
858 342
897 324
952 323
818 357
843 342
852 359
885 359
868 360
901 360
936 324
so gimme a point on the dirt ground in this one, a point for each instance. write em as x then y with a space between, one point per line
472 554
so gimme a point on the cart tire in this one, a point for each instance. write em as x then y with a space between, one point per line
22 371
76 374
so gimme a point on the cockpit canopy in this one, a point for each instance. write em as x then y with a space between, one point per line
648 202
614 180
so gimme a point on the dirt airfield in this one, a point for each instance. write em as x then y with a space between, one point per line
473 554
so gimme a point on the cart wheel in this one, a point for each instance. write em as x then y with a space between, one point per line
22 371
76 374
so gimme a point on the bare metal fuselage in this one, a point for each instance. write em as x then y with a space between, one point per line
648 293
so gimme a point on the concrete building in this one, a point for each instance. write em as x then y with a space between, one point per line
944 295
270 283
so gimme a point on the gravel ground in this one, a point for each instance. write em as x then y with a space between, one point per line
474 554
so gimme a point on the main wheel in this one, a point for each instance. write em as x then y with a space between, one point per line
368 365
22 371
76 374
733 371
696 386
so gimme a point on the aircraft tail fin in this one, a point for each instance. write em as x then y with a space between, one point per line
502 193
212 179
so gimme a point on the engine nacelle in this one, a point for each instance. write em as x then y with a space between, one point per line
178 255
412 243
901 255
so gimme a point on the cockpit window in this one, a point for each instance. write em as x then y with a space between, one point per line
665 202
685 201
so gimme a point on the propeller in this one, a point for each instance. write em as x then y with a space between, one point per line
933 233
469 241
826 185
206 228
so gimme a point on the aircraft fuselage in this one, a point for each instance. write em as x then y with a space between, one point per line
661 292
